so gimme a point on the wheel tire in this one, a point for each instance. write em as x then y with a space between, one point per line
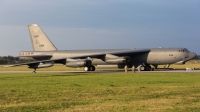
92 68
87 69
142 68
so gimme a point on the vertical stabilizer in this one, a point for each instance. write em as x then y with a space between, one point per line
40 41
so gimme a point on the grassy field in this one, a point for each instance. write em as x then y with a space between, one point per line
191 64
59 67
58 92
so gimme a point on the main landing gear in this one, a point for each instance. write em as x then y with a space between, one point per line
146 67
90 68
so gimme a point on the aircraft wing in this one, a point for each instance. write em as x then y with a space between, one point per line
48 63
133 52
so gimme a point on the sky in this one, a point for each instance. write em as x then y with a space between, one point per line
101 24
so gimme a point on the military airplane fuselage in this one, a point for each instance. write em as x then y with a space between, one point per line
154 56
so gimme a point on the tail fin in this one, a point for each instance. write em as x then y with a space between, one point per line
40 41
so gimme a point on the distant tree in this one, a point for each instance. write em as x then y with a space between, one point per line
5 60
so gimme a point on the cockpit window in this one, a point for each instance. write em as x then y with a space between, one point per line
183 50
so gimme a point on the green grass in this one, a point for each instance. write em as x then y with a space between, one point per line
190 65
100 92
58 67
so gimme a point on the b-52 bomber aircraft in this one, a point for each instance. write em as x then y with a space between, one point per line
46 55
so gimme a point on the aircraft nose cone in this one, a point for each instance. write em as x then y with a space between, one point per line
192 55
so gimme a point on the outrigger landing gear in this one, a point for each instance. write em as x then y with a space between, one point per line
34 71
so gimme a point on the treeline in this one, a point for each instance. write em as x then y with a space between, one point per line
6 60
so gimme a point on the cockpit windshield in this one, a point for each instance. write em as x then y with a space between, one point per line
186 50
183 50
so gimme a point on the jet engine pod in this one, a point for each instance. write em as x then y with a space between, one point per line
79 63
119 60
41 65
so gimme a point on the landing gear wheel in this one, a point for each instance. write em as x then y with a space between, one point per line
87 68
142 68
92 68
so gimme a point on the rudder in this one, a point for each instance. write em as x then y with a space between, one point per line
40 41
